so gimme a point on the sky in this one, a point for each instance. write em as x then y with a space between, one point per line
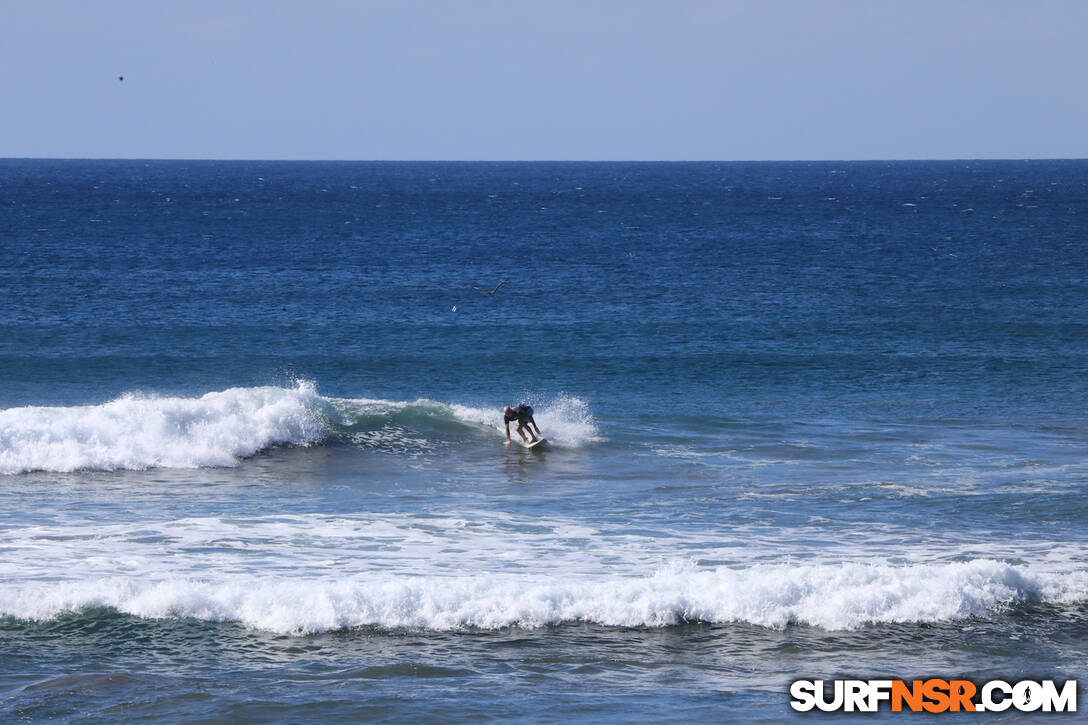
544 80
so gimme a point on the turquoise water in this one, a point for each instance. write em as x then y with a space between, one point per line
805 420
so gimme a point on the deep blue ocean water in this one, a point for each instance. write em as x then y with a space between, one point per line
805 420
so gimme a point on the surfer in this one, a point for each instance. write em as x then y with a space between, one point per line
523 414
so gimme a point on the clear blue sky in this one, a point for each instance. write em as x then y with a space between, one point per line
549 79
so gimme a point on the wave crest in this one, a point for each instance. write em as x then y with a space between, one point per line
138 432
835 597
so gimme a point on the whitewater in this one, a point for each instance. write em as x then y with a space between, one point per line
841 597
805 420
306 574
300 573
138 432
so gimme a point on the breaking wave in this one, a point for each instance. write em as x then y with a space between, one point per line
835 597
136 432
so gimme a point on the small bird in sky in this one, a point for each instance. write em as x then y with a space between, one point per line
121 79
490 293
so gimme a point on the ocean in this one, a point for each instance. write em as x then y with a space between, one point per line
821 420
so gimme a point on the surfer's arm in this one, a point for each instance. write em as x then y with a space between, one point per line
507 431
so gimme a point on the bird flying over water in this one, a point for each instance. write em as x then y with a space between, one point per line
490 293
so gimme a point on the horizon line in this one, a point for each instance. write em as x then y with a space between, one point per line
540 161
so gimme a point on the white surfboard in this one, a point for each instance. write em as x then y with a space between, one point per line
534 444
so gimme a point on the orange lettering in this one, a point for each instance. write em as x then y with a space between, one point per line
961 692
937 692
912 695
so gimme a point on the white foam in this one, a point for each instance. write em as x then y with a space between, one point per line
311 573
833 597
138 432
564 420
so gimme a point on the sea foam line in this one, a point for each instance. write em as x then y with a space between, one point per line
836 597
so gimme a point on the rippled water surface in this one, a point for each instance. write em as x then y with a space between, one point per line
805 420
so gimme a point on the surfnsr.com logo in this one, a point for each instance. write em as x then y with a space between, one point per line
933 695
